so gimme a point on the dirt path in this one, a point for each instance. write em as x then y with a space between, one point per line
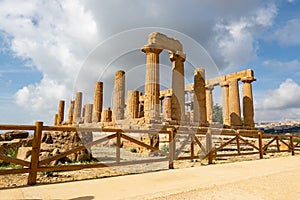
276 178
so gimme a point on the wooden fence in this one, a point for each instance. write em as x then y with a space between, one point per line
204 138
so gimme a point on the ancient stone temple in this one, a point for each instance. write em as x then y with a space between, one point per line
169 106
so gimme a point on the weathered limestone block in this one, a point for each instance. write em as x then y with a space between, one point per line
161 41
167 107
199 103
24 153
57 142
133 103
106 115
10 135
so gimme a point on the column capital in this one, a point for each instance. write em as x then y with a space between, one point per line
248 79
176 57
149 49
209 87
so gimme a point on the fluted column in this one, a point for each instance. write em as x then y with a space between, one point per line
248 110
88 113
234 103
152 87
71 112
119 96
77 108
199 98
225 102
61 112
55 119
167 107
98 102
209 103
178 93
133 103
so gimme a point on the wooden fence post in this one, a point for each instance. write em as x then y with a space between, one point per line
292 147
238 144
260 144
35 153
277 143
209 146
192 148
118 147
171 147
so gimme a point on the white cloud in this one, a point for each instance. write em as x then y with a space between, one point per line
54 37
280 104
286 96
289 33
37 97
294 64
235 39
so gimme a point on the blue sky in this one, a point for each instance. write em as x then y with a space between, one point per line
44 45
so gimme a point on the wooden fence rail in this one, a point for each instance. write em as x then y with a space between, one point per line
203 137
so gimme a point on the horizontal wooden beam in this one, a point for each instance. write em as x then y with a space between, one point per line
98 165
16 127
74 150
15 161
14 171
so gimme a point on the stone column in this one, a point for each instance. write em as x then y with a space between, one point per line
209 103
152 87
161 104
167 107
61 112
71 112
55 119
199 98
77 108
119 96
225 102
133 103
98 102
234 103
88 113
248 110
106 115
178 93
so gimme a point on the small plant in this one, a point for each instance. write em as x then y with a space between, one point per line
47 174
13 154
165 148
133 150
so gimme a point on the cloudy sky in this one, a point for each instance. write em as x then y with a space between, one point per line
49 49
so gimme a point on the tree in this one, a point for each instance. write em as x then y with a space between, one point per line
218 113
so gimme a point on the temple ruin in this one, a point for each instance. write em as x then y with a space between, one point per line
166 107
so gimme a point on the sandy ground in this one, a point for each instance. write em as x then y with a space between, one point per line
276 178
